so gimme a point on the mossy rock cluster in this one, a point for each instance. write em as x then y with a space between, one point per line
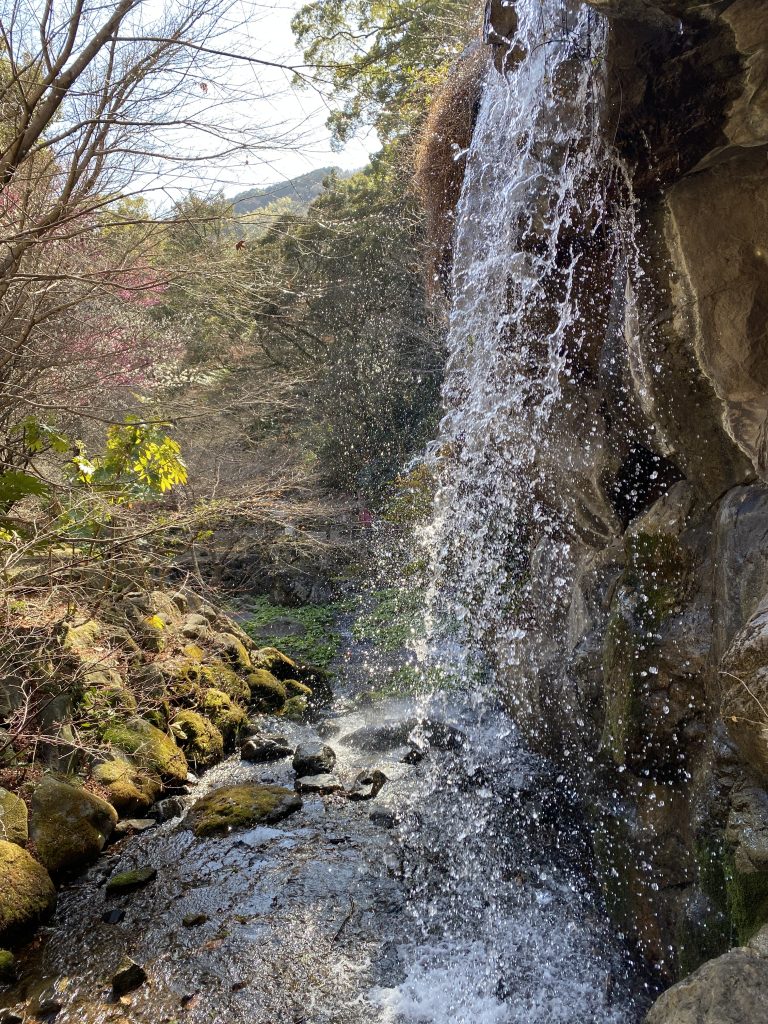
130 790
241 807
149 747
27 895
198 737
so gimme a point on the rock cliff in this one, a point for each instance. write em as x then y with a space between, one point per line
661 461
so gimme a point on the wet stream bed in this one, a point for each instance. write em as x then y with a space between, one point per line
294 922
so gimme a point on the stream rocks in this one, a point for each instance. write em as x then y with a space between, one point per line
128 976
27 895
367 785
68 825
129 881
241 807
262 748
320 785
313 758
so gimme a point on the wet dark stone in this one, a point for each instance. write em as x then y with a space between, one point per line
384 817
313 758
194 920
320 784
263 748
127 977
444 736
10 1017
367 785
171 807
129 881
113 916
382 736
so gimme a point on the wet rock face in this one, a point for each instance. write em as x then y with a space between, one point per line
732 989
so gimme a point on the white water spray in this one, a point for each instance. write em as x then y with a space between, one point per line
509 931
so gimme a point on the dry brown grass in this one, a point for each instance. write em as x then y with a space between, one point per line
440 158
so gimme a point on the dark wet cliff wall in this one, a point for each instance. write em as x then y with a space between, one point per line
661 464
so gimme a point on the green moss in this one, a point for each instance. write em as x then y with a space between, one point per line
7 967
104 693
27 895
394 619
296 689
13 818
267 692
313 635
227 716
295 709
217 676
149 747
651 587
747 897
129 881
194 652
130 789
68 825
241 807
199 738
233 651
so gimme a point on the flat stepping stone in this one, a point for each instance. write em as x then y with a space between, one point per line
130 881
324 784
241 807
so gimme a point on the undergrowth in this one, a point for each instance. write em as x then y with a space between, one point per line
319 640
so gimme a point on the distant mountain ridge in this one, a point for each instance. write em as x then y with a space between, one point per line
301 190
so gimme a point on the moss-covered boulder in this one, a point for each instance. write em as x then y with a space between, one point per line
7 967
148 747
13 818
27 895
131 790
216 675
233 651
80 636
229 718
241 807
267 692
296 689
274 661
199 738
295 709
68 825
104 691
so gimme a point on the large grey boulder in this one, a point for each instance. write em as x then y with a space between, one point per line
733 989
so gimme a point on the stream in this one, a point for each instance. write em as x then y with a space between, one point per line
457 895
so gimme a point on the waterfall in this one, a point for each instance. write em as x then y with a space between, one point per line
508 927
542 188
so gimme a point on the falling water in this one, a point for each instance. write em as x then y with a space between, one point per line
507 926
535 198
